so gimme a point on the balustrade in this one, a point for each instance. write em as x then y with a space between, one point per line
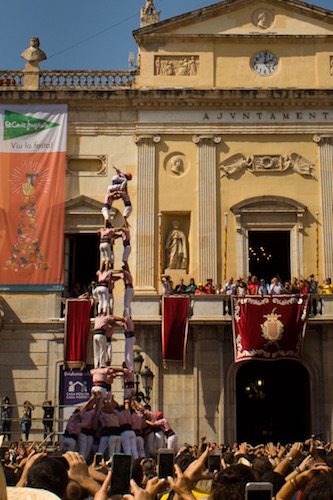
71 80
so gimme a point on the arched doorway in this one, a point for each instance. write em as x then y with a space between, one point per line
273 402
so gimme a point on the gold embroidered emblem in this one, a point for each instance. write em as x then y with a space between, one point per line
273 328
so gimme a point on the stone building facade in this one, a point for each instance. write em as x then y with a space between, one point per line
226 123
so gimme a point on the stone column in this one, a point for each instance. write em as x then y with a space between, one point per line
146 210
207 185
326 176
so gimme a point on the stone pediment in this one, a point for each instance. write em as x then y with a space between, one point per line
269 204
245 17
82 205
83 215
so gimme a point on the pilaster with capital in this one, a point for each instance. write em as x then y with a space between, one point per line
325 144
207 186
146 204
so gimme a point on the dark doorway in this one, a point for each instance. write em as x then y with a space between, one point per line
269 254
81 259
273 402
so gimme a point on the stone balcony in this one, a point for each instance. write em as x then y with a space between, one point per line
146 309
214 309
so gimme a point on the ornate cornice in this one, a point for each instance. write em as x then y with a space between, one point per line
176 98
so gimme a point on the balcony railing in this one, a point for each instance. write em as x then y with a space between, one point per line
216 308
71 80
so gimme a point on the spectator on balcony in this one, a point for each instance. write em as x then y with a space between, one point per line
313 290
326 287
200 290
26 419
167 284
312 284
303 287
230 287
48 410
276 287
6 417
294 286
191 288
240 287
180 288
209 287
253 286
263 288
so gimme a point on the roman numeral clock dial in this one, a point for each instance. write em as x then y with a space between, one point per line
265 63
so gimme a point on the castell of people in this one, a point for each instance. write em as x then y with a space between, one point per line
166 250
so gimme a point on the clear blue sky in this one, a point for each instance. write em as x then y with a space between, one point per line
82 34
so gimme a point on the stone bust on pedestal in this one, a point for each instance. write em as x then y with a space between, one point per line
34 54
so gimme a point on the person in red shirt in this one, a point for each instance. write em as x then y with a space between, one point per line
209 287
200 290
253 286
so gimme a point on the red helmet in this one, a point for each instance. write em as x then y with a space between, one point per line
159 415
128 176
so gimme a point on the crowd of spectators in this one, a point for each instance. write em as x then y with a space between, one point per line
26 419
249 286
298 470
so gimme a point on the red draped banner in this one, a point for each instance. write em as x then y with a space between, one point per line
175 313
269 327
77 326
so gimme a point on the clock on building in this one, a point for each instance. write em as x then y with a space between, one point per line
264 63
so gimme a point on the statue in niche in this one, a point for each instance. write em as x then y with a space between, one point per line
176 247
34 53
177 165
149 7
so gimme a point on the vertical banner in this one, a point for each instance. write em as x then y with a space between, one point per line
77 327
175 317
32 196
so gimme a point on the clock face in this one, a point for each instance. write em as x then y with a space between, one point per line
264 63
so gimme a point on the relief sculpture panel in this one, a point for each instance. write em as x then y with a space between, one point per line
238 163
176 65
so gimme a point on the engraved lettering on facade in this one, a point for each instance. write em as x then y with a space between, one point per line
254 116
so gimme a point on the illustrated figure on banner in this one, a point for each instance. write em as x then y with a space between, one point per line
176 247
28 181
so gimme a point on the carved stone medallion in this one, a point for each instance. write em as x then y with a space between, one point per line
263 18
176 165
